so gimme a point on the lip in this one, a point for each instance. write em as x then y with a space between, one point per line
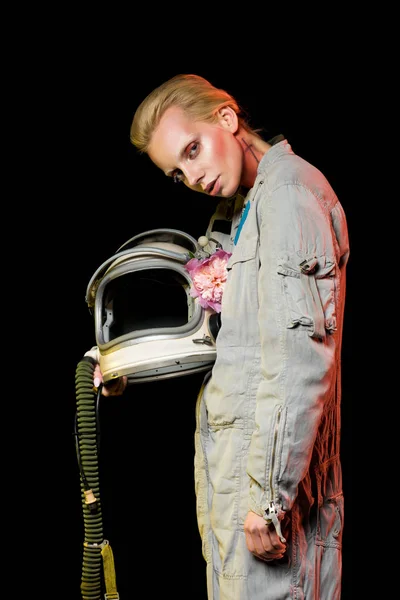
214 187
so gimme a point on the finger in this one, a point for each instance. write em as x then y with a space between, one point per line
273 549
115 387
249 543
256 545
256 548
97 376
270 551
271 558
274 539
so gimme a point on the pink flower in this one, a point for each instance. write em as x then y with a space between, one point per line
209 278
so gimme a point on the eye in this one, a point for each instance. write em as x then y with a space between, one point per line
177 176
193 150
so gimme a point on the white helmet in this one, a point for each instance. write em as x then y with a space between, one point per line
147 325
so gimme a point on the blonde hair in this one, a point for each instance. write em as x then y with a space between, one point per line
196 96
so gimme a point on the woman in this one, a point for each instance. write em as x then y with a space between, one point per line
267 465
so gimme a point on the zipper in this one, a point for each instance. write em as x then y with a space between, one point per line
271 513
272 517
271 485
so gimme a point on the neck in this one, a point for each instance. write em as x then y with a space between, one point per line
254 149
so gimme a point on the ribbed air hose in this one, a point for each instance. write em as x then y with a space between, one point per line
86 436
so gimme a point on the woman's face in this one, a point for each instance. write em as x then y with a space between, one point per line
207 157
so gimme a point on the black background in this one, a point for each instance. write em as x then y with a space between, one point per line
103 193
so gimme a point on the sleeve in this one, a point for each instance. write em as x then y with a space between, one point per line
298 329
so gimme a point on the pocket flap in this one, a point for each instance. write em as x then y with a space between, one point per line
299 263
246 249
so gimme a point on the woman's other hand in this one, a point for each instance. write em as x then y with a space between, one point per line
115 387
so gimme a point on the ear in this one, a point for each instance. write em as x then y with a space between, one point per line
228 119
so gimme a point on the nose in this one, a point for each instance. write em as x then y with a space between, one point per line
193 177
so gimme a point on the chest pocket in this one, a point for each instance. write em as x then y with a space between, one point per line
240 299
309 285
245 250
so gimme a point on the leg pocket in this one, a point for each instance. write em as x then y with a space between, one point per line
330 522
224 466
